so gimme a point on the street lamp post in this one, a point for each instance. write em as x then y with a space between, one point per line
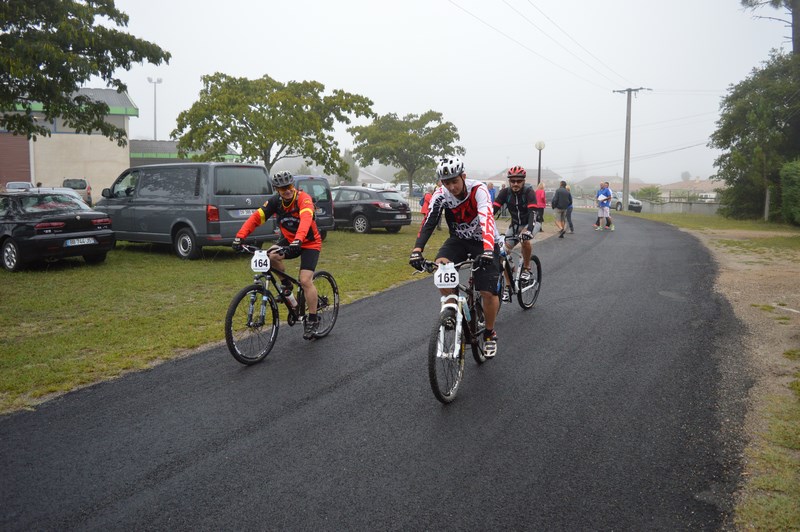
155 82
539 146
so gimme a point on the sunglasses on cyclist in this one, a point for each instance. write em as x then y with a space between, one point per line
281 189
516 181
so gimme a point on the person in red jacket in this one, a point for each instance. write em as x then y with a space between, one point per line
294 211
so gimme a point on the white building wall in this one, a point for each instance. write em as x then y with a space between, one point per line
93 157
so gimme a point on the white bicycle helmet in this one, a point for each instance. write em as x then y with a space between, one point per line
449 167
282 179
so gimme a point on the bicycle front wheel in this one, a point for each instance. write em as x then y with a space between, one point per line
445 362
479 326
251 324
528 291
327 302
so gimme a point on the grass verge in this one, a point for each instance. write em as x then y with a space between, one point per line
68 324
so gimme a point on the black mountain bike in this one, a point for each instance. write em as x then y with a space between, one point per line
526 290
461 320
251 323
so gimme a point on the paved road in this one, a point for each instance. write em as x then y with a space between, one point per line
613 404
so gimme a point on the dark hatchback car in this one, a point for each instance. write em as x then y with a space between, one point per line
320 191
51 225
364 208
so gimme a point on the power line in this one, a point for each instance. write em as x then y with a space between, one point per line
579 44
525 47
555 41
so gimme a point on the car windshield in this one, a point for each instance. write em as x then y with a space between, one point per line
51 202
77 184
391 196
316 189
17 185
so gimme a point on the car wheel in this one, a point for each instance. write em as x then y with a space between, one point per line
12 261
323 234
95 258
361 224
619 206
393 229
186 245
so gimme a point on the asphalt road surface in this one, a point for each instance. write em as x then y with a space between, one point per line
613 404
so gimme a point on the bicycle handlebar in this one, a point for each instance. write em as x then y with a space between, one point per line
283 250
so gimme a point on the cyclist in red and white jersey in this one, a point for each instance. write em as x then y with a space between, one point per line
467 208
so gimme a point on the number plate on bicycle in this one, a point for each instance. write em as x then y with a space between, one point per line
260 261
446 276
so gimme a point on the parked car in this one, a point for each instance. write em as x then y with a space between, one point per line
633 204
18 185
63 190
319 189
51 225
363 208
81 186
188 205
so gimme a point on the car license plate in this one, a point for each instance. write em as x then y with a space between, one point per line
80 241
246 212
401 216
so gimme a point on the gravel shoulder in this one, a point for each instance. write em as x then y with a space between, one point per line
763 288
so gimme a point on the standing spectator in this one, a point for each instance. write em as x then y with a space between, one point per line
610 195
503 209
426 201
569 213
541 203
492 190
562 199
603 202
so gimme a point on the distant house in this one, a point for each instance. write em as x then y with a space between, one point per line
695 189
66 153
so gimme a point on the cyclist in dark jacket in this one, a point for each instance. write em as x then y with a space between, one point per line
520 200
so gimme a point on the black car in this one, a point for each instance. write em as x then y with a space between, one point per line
364 208
51 225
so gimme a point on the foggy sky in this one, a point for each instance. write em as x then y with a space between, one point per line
507 73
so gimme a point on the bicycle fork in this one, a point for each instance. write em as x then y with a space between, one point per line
459 306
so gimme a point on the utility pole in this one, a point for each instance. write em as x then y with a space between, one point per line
627 167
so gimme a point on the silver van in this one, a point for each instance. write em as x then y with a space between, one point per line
188 205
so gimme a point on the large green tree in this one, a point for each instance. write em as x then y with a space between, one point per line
268 120
793 9
758 131
49 49
412 143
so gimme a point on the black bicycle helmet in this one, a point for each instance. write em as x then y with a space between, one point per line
282 179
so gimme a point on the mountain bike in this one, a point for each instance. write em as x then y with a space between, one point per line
461 320
526 290
251 323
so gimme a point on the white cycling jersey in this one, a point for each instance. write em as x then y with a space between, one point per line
470 218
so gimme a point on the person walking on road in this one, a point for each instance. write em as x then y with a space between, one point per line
569 213
562 199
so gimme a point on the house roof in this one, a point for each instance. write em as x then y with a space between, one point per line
119 103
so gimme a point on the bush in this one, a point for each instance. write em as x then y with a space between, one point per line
790 185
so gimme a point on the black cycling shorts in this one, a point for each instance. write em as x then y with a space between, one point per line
456 250
308 257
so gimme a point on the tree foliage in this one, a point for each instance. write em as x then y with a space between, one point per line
268 120
49 49
791 6
790 184
353 170
758 131
412 143
650 193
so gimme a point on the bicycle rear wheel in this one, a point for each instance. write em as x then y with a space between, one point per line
445 362
251 324
327 302
528 291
